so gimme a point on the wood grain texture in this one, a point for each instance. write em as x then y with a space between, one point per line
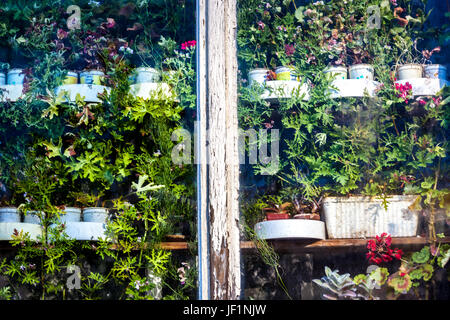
223 156
218 129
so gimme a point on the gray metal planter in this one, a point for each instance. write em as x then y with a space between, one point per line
361 217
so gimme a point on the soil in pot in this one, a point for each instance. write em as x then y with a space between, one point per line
9 214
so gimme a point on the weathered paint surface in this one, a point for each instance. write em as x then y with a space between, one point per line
219 113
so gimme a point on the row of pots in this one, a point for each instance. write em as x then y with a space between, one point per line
358 71
140 75
68 214
355 217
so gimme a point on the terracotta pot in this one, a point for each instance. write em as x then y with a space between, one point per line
276 216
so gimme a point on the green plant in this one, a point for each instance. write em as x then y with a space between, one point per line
341 286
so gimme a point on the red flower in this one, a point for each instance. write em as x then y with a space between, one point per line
380 251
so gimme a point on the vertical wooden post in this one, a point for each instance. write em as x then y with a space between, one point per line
218 137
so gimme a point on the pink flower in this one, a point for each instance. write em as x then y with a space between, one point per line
437 101
111 23
422 102
261 25
404 91
188 44
289 49
61 34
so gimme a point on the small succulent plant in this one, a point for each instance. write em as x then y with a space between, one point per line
341 286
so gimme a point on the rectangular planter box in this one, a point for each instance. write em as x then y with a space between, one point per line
365 217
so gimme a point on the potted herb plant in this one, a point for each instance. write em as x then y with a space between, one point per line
93 211
277 211
336 72
285 53
307 209
278 225
69 214
359 54
253 51
408 64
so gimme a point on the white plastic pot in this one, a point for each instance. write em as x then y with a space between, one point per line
360 217
336 72
92 77
2 78
15 76
9 214
146 75
409 71
435 71
286 73
71 78
290 228
257 75
95 214
33 217
361 71
70 214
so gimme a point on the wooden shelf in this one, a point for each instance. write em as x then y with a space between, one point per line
301 245
333 245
